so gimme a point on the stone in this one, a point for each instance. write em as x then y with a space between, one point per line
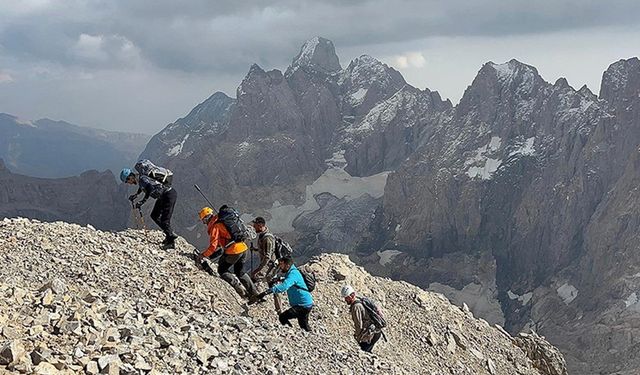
92 368
11 352
40 355
45 368
47 298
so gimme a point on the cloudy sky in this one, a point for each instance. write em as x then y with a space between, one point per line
138 65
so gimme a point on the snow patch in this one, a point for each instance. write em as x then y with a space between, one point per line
177 149
387 256
567 292
335 181
504 71
631 300
485 172
525 148
488 166
337 160
243 148
358 95
494 143
481 299
308 49
524 299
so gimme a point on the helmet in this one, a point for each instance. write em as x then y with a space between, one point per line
124 174
205 212
346 291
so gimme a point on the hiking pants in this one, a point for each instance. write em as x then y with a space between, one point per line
368 346
163 210
299 312
238 278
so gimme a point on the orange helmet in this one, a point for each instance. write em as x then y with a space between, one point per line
205 212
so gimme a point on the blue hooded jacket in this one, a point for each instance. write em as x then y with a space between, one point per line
292 284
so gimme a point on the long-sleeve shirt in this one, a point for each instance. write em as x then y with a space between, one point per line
295 287
150 187
266 249
219 236
364 327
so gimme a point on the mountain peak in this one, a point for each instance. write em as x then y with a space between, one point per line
621 78
512 69
319 54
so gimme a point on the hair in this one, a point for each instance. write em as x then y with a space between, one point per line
286 260
260 220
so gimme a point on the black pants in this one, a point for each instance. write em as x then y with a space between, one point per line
238 278
163 210
299 312
368 346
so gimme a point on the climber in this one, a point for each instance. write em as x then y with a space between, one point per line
300 299
165 197
232 254
267 269
366 317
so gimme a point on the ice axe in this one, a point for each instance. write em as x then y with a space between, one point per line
203 196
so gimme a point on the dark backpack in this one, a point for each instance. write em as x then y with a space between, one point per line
282 248
309 280
230 218
374 311
147 168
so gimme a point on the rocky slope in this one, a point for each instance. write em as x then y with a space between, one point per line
47 148
77 300
91 198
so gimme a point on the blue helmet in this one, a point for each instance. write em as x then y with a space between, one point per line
124 174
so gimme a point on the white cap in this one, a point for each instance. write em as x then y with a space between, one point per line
346 291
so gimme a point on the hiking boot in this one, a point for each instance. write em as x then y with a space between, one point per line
256 299
169 238
168 245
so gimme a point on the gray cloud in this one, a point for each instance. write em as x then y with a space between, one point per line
226 36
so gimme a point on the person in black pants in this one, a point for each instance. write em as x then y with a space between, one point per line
300 298
165 202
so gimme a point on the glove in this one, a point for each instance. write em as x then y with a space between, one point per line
264 294
133 197
139 205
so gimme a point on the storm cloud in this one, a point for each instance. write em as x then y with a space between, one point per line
166 48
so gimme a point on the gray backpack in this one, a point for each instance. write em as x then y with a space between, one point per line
160 174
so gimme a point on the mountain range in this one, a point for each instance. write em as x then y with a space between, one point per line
48 148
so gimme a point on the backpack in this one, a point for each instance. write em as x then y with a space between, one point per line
147 168
239 231
374 311
282 248
309 280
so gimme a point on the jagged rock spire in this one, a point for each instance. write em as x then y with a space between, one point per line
319 54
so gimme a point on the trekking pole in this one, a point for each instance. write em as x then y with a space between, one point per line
139 220
203 196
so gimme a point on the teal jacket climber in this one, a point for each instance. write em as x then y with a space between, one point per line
295 287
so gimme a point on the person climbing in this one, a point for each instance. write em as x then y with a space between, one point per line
267 268
233 254
156 186
300 298
367 331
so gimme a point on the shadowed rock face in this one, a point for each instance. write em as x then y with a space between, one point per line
541 177
91 198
